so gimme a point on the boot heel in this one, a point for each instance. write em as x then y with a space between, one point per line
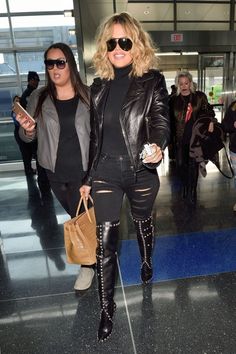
106 323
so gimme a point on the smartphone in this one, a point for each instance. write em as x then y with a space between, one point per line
18 109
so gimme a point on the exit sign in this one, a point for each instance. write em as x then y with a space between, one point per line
177 37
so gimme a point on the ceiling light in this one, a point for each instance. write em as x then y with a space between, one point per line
147 12
166 54
68 13
71 32
190 53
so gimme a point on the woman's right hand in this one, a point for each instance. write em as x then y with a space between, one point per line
26 124
85 191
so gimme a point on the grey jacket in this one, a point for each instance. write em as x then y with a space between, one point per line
48 131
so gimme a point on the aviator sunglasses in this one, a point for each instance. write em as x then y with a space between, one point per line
60 63
124 43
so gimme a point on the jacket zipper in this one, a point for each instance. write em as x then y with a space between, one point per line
127 143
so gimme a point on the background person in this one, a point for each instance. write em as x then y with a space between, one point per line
61 110
29 151
33 82
25 148
173 90
185 108
129 90
229 126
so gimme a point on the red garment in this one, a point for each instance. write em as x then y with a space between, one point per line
189 112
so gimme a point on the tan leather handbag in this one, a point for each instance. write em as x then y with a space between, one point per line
80 236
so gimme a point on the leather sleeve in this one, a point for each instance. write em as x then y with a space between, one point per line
159 124
92 147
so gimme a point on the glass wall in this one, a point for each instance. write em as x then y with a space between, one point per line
27 28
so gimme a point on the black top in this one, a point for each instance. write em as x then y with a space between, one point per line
113 139
188 125
69 161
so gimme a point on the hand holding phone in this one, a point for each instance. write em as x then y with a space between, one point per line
147 151
19 110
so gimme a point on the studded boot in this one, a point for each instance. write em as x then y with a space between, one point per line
145 235
107 234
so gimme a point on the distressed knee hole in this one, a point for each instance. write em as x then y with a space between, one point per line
100 182
142 190
104 191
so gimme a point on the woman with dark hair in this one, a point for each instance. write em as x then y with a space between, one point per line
185 108
129 109
61 111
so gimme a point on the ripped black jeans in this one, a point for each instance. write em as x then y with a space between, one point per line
115 176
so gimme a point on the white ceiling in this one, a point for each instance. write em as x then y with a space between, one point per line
161 13
158 17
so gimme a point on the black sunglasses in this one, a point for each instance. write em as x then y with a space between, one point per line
124 43
60 63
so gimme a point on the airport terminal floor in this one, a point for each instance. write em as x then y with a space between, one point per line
189 308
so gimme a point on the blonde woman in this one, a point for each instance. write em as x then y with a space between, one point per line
129 91
185 108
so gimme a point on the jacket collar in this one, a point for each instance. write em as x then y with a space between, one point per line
98 82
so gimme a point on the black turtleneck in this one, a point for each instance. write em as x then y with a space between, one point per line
113 139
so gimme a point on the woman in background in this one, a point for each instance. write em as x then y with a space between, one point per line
185 108
61 111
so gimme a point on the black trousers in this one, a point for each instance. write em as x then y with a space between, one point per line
187 167
67 194
115 177
28 151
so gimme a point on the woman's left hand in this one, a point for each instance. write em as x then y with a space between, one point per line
156 156
85 191
211 127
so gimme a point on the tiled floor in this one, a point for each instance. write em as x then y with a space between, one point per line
190 308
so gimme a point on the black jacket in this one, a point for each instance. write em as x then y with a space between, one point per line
146 103
228 125
25 95
181 131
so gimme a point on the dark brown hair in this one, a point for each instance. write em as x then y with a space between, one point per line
79 87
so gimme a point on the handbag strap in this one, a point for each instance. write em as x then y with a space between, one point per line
85 203
229 163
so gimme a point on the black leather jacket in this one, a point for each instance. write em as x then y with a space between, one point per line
146 103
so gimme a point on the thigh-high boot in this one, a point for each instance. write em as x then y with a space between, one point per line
145 235
107 234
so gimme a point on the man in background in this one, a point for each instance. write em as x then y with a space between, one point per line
33 82
43 183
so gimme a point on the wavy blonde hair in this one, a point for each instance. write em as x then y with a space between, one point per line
188 76
142 52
